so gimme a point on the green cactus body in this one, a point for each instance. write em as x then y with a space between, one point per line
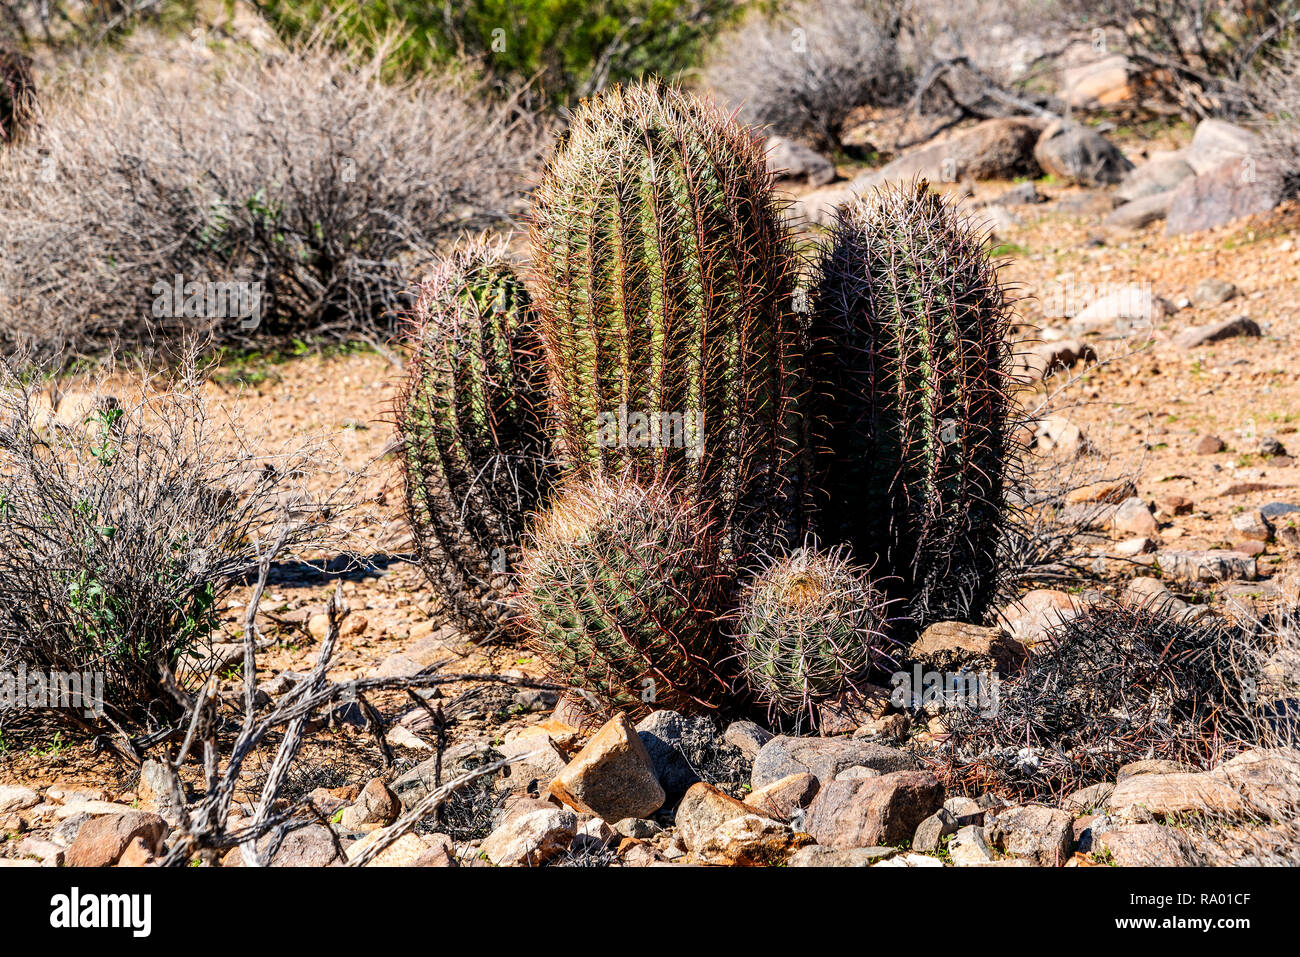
909 339
17 95
619 585
811 624
473 441
664 277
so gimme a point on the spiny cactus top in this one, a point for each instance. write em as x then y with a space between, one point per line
619 586
663 274
810 625
17 94
470 421
909 345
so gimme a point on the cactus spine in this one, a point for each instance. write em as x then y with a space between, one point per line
664 278
908 341
619 587
810 625
470 422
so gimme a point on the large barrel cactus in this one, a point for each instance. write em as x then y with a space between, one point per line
620 585
909 349
664 276
811 625
17 94
470 421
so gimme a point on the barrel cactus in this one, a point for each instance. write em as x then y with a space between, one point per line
908 344
470 422
17 94
664 276
811 625
619 585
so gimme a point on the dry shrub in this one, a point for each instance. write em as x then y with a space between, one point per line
128 516
1275 96
804 71
301 172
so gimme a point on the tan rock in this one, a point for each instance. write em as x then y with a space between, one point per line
702 810
103 840
612 777
751 841
781 798
1169 795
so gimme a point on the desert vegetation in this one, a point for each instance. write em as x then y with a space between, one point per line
684 432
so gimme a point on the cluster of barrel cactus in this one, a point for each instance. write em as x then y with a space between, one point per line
600 466
17 94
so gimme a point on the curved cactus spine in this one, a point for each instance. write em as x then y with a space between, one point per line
909 341
470 421
17 94
619 587
811 624
664 277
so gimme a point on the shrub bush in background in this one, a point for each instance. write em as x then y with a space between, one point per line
302 177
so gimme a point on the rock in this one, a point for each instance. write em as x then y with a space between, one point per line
1268 780
1140 213
823 758
1270 447
101 841
1121 311
531 839
856 772
404 852
439 852
1043 360
872 811
1023 194
14 797
1275 510
1166 795
845 713
780 799
65 832
318 626
1040 834
910 860
375 805
814 855
661 733
1087 798
1229 192
310 846
1077 154
702 810
1153 766
751 841
1209 445
1251 526
137 854
1141 845
819 207
1037 612
996 221
1216 331
47 852
1055 433
1102 83
612 777
1153 178
969 848
950 645
535 699
636 827
1208 566
747 737
542 759
1133 517
1216 142
1213 292
965 810
1113 491
791 160
931 832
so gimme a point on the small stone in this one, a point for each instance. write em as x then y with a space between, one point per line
439 852
14 797
1132 547
1166 795
1269 447
535 699
531 839
47 852
814 855
540 759
950 645
780 799
1213 292
751 841
661 732
857 772
403 852
870 811
318 626
1214 565
101 841
1140 845
747 737
969 847
1134 517
964 810
1087 798
1034 614
1216 331
637 827
375 805
1040 834
1209 445
931 832
823 758
1251 526
702 810
612 777
1112 491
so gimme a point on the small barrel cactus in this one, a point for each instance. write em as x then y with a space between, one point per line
470 420
811 624
17 94
620 590
664 278
908 345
